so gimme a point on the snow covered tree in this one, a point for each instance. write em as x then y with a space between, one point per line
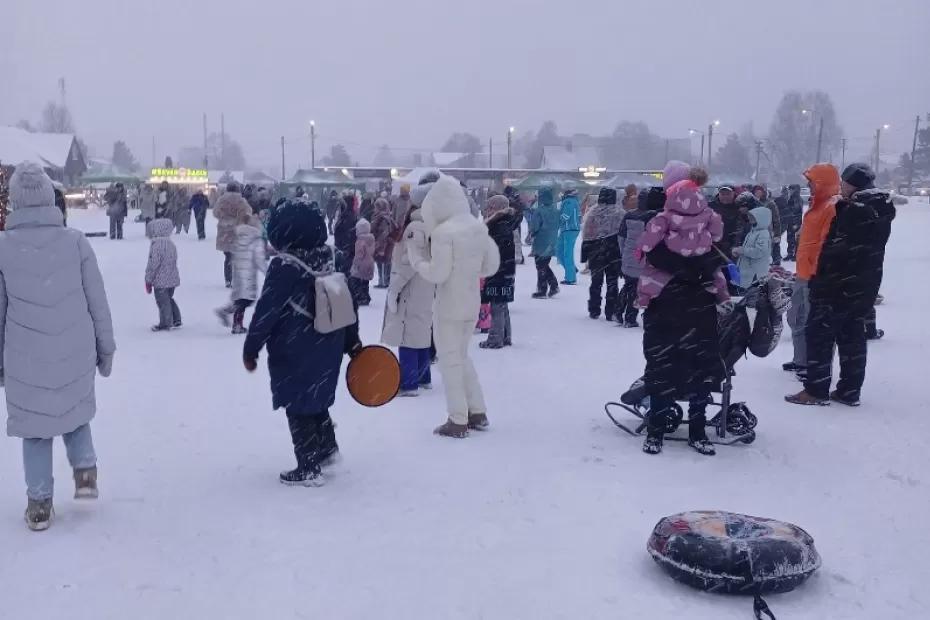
384 156
338 156
462 143
56 118
633 145
794 129
123 158
169 163
548 135
733 158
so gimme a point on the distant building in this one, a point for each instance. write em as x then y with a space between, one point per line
570 158
59 153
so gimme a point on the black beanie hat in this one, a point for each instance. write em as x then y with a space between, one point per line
607 196
859 176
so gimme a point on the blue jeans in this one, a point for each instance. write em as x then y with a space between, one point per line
414 368
566 253
37 460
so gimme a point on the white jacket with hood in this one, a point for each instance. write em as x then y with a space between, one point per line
248 259
461 252
408 315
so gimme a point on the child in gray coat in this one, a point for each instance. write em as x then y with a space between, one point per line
161 275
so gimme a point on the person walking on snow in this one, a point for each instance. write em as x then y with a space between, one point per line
824 182
229 210
498 289
649 202
303 363
332 208
383 228
248 260
408 313
461 252
344 235
844 290
600 249
363 263
198 206
58 333
569 227
161 275
116 209
544 228
147 203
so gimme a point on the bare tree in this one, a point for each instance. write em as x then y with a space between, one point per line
795 131
56 118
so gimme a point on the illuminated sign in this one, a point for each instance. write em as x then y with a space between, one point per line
170 173
591 172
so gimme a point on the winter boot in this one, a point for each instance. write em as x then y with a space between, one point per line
553 291
408 393
630 324
177 325
874 334
329 449
656 424
653 443
223 316
842 399
160 328
239 329
804 398
697 435
538 295
489 344
478 421
303 476
451 429
85 483
39 514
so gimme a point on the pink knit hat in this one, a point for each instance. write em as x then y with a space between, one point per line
674 172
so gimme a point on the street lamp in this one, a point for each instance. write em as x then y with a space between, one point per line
510 146
312 145
710 142
810 112
691 132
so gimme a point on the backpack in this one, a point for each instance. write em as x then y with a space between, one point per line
334 306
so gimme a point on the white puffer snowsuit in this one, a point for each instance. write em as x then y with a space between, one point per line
461 253
248 260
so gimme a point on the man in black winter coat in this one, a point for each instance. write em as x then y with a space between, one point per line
843 292
734 222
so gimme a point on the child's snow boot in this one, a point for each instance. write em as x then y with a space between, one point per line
39 514
329 449
239 329
697 435
653 443
451 429
303 476
656 425
85 483
478 421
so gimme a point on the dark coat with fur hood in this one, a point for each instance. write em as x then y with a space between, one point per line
499 287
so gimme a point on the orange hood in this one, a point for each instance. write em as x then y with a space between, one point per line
826 183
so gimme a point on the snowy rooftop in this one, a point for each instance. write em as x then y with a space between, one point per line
561 158
49 149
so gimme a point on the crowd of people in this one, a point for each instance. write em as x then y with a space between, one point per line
441 257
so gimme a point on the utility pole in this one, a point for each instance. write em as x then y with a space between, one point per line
910 173
758 158
223 140
312 145
819 139
154 161
710 145
490 153
282 159
843 165
702 148
206 158
510 148
878 140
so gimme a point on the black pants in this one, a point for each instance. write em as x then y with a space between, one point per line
116 227
201 217
842 326
545 279
359 290
793 229
627 310
227 268
169 315
239 308
313 436
871 324
602 271
776 250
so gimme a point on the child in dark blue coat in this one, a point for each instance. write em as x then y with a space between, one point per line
304 364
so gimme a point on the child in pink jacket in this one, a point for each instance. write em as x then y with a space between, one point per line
688 227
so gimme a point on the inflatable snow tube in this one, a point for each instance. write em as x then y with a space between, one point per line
732 553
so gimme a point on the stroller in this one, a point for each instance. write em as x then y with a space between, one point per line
735 422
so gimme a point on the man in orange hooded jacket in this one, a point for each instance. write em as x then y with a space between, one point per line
824 181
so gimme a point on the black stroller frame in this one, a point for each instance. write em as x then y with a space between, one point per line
734 423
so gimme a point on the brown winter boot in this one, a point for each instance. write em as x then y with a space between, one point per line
39 514
85 483
451 429
478 421
804 398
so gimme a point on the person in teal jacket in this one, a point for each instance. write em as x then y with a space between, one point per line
569 227
545 231
754 257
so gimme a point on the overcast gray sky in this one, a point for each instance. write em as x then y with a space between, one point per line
409 72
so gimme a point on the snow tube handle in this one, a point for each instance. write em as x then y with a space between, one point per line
759 606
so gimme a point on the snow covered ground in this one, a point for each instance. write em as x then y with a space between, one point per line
545 516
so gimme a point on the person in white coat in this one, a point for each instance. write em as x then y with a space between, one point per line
248 260
408 314
461 252
55 335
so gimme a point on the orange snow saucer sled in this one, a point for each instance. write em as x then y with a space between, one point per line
373 376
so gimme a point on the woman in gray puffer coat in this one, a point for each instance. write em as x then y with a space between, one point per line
55 334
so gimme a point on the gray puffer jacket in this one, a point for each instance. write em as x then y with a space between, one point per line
162 268
248 260
54 324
